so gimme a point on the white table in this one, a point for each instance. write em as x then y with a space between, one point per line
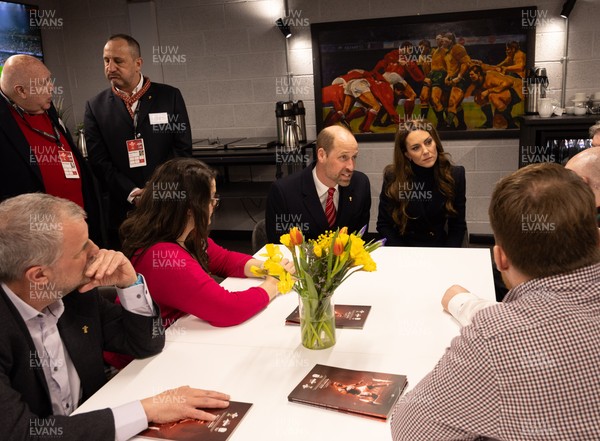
262 360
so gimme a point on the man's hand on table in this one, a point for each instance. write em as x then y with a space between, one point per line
450 293
183 402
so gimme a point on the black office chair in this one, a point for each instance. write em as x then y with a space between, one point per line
259 236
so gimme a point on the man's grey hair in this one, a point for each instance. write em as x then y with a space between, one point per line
31 232
594 129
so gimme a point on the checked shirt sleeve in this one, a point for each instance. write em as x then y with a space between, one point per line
458 400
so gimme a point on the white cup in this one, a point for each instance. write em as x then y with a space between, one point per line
545 107
570 110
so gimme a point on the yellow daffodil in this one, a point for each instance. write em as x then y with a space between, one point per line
274 268
364 259
356 246
257 271
273 253
286 283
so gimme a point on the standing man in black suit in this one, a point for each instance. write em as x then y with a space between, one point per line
131 128
324 196
37 153
55 326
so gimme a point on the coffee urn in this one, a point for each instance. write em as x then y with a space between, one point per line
280 118
536 87
81 144
300 117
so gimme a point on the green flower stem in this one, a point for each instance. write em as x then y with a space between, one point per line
317 321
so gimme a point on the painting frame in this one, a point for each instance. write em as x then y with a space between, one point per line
341 50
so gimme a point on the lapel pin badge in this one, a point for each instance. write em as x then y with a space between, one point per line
85 329
350 198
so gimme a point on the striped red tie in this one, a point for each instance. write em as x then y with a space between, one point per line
330 207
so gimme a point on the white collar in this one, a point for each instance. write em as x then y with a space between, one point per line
137 88
28 312
321 188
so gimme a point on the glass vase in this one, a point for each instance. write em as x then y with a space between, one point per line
317 322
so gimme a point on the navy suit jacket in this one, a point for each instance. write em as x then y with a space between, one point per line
108 125
24 398
293 201
20 173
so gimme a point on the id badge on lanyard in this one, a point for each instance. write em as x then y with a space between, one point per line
67 160
136 151
68 164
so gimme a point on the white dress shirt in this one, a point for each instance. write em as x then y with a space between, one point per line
465 305
322 190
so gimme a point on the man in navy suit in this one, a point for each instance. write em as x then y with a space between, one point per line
55 326
324 196
131 128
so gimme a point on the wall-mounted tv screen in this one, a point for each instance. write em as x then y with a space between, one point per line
19 33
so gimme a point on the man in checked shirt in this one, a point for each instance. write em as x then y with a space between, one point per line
526 368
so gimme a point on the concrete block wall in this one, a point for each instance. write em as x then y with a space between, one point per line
236 68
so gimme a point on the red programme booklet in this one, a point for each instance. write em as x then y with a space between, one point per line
190 430
365 393
346 316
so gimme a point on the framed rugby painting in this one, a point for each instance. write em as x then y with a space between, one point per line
464 72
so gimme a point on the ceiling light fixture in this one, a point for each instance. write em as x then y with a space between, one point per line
284 28
567 8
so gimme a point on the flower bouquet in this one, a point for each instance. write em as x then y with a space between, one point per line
321 266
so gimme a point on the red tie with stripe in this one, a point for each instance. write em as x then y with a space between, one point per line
330 212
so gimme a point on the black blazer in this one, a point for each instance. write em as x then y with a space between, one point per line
20 173
108 125
293 201
24 395
431 226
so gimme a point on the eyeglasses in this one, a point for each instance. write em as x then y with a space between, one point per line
215 201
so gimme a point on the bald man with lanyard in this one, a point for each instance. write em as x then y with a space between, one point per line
37 153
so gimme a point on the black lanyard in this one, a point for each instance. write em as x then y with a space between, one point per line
135 119
53 137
